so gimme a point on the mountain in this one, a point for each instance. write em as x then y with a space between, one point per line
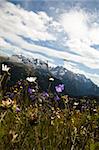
36 63
75 84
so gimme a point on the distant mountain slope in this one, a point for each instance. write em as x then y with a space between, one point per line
75 84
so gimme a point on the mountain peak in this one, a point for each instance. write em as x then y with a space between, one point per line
75 84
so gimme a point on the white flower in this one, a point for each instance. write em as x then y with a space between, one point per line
76 103
31 79
51 79
94 110
5 68
33 90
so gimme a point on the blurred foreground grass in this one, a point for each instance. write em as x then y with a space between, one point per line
39 127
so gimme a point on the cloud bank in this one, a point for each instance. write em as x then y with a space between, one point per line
71 39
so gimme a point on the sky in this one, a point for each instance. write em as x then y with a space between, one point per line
64 32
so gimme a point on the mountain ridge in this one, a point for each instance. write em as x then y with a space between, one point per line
75 84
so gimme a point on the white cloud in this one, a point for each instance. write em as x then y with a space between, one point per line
74 23
21 22
81 29
82 34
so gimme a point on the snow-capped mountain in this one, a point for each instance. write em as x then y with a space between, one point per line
29 61
75 84
62 72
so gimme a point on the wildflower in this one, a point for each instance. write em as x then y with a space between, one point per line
74 107
52 122
72 120
19 83
40 100
51 79
32 97
45 94
57 98
15 91
31 79
11 95
5 68
31 90
76 103
52 108
95 110
52 118
21 87
58 116
65 98
59 88
17 109
7 103
14 107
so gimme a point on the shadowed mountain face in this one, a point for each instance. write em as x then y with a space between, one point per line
75 84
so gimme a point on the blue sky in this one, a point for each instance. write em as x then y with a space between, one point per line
64 32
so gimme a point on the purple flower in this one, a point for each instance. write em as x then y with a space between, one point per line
59 88
45 94
32 97
57 98
11 95
19 83
31 90
17 109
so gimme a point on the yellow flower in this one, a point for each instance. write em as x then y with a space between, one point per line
58 116
7 103
52 118
3 103
72 120
52 108
65 98
52 122
15 91
14 107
